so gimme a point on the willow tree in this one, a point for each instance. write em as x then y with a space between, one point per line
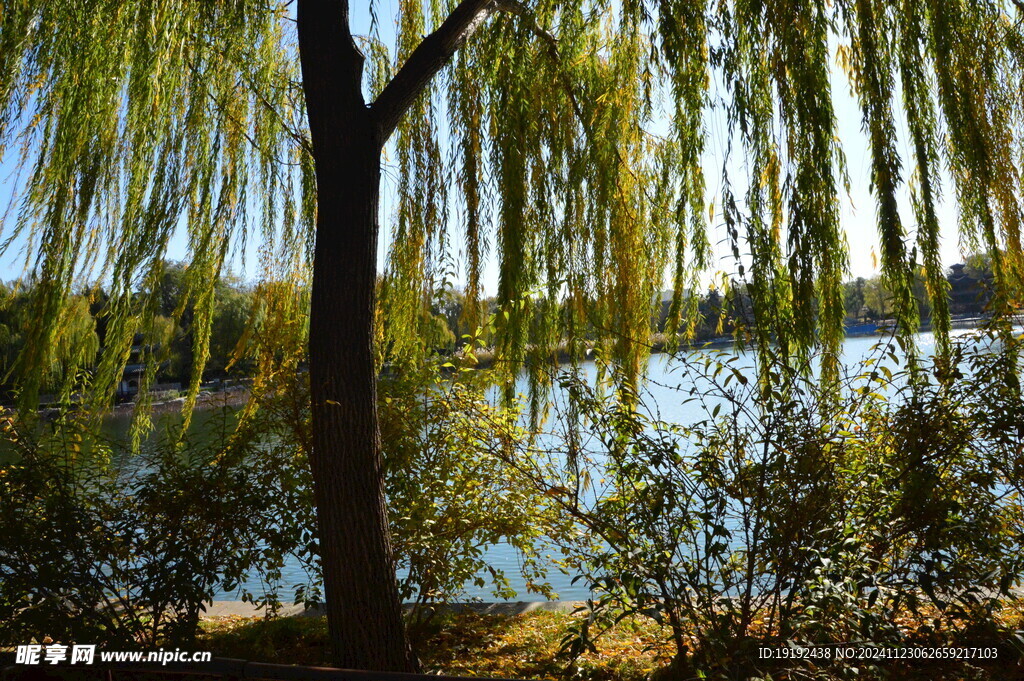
566 138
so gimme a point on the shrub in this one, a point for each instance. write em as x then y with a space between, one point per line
789 515
451 492
99 546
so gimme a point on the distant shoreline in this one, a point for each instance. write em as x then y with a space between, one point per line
230 397
238 395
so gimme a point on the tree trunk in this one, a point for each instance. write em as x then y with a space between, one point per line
363 608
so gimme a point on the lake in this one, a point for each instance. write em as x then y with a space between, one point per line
665 377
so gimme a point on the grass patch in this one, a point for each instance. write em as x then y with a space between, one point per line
527 647
465 644
281 640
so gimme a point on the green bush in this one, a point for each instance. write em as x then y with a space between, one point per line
788 515
129 549
451 493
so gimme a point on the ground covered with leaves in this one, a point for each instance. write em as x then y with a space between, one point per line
529 646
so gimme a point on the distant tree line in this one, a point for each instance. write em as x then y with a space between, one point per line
448 324
83 332
721 309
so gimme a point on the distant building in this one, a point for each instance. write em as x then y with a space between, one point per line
967 295
135 369
131 377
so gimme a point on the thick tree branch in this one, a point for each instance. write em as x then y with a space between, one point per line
426 60
436 49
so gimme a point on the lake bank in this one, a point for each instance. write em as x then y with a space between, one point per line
221 609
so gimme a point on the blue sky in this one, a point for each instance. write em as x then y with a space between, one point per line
858 211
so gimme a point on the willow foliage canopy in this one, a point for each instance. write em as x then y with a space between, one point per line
133 120
566 139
